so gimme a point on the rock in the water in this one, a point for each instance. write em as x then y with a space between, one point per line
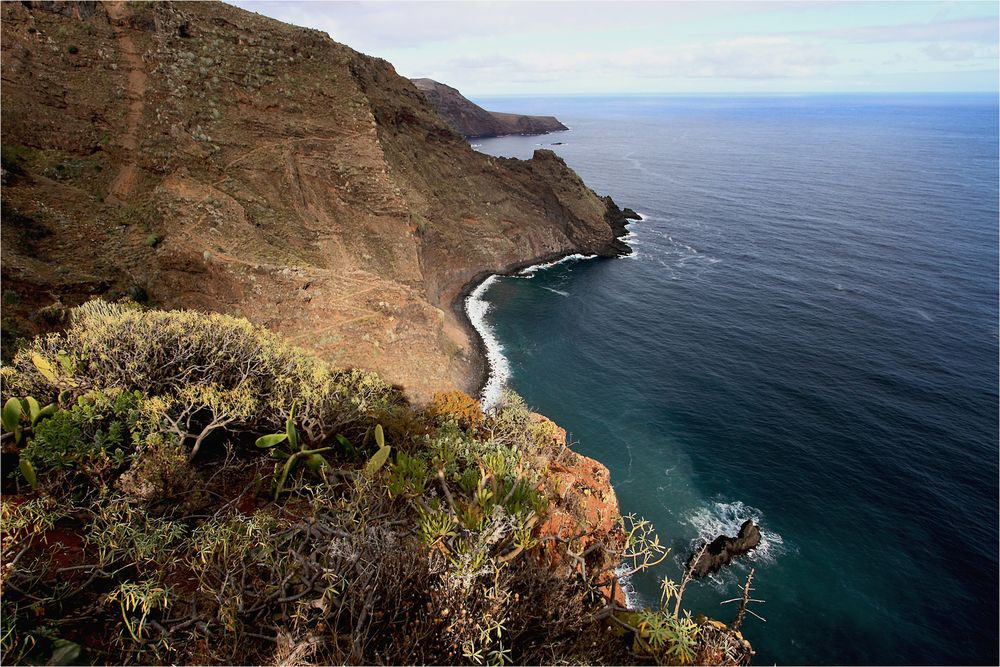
724 549
631 215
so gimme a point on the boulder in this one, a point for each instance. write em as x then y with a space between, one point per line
723 549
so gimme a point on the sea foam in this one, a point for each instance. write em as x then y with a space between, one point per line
476 308
722 518
632 598
534 268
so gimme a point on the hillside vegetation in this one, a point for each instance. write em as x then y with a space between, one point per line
189 488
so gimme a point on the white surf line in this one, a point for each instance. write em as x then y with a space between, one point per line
630 235
531 270
632 598
476 307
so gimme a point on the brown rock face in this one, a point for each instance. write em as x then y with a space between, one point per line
474 122
205 157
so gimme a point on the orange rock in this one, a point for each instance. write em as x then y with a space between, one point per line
583 513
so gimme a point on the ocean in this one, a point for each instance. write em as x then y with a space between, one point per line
806 335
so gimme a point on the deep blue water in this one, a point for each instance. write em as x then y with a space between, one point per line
807 334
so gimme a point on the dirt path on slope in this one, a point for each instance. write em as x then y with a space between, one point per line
135 91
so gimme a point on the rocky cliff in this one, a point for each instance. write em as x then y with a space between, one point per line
198 155
473 122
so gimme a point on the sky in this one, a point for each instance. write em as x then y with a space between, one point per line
529 48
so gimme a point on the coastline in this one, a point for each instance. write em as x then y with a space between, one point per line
482 370
485 371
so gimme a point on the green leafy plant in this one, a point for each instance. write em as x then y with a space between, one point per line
669 636
434 524
94 437
122 530
145 598
295 453
13 415
380 456
409 475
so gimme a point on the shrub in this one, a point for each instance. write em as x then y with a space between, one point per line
93 438
192 361
458 406
430 554
73 49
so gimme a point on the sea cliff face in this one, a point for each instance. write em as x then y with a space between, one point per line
474 122
198 155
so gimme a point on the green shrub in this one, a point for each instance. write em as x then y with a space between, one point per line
94 437
190 360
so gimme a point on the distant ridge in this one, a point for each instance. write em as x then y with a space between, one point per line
474 122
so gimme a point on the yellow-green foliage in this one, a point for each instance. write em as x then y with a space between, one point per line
458 406
184 362
20 520
414 543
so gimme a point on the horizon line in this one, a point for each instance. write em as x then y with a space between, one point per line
740 93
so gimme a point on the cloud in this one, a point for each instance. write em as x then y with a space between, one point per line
752 57
655 46
984 30
960 51
395 24
761 57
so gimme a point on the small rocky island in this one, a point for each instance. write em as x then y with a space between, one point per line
722 550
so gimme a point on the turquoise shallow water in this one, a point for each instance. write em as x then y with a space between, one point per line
807 334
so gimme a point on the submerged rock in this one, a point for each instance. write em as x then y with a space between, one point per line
723 549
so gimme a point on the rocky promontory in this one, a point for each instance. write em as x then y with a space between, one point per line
474 122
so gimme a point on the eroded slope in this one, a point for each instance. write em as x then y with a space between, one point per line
198 155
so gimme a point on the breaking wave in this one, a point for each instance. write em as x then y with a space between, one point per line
721 518
476 308
534 268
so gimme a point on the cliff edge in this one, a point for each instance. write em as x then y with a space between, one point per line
198 155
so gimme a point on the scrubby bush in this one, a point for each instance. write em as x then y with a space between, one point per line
457 406
207 371
159 532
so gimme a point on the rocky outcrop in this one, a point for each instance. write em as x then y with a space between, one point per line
584 508
207 157
473 122
723 549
